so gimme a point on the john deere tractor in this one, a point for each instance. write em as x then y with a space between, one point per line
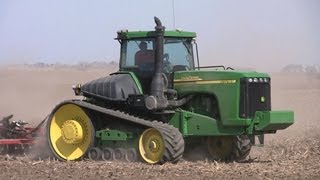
161 104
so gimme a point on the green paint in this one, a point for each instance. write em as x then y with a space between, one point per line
224 88
227 91
134 77
273 120
113 135
117 139
195 124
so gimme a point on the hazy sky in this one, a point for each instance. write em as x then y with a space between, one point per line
264 34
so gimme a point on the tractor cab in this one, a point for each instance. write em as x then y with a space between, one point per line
138 54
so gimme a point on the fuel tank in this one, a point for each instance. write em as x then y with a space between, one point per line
116 87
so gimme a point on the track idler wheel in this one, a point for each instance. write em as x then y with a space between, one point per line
95 154
131 155
107 154
70 132
119 154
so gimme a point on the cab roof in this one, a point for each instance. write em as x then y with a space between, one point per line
125 34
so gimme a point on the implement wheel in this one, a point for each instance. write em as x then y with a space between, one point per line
151 146
70 132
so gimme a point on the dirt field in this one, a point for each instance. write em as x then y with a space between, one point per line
294 153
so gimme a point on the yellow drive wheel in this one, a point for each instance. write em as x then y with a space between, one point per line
151 146
219 147
70 132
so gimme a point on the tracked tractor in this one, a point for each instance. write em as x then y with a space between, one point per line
161 104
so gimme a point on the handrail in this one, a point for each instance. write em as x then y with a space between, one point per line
218 66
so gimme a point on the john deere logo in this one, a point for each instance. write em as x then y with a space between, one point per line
262 99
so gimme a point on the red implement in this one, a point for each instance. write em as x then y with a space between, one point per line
15 137
15 141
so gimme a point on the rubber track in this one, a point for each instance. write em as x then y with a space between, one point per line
174 142
173 139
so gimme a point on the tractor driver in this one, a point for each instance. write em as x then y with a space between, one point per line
144 56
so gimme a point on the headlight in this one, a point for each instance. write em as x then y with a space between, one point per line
258 80
261 79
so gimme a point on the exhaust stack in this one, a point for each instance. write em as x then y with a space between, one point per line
157 100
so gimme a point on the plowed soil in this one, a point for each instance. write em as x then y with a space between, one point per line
294 153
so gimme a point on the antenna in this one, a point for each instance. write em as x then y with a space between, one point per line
173 15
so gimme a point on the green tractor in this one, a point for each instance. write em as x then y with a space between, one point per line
161 104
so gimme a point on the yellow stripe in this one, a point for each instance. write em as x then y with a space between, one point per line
188 79
178 81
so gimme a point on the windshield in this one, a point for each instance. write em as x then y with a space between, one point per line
178 54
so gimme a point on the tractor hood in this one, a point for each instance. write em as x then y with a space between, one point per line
215 76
